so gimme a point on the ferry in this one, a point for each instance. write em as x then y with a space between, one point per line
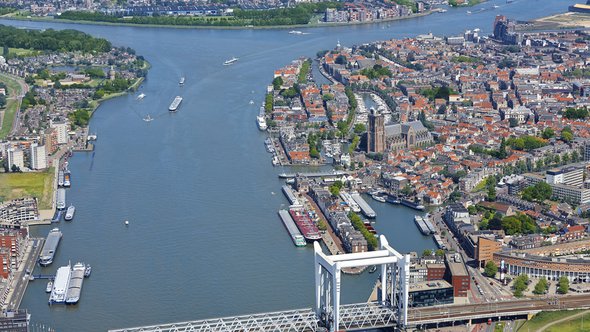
61 199
296 236
295 32
141 96
261 121
175 103
230 61
60 179
181 82
60 285
51 243
70 213
49 287
75 284
67 182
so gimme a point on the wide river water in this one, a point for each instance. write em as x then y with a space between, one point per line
198 187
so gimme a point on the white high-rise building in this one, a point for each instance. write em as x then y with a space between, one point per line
38 156
15 157
62 132
587 151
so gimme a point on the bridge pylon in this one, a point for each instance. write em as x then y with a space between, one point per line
395 271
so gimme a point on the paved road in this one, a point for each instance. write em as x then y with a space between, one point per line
21 277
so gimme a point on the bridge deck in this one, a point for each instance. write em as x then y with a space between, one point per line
293 320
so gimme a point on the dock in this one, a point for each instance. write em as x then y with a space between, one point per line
365 208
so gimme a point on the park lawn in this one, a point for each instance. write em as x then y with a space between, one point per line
22 52
14 90
18 185
480 186
579 324
499 327
546 317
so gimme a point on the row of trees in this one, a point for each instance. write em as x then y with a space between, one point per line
300 14
52 40
357 223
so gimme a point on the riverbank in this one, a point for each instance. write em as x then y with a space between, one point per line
567 20
309 25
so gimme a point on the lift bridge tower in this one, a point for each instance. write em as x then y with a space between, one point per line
392 308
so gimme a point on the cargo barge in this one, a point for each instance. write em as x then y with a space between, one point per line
365 208
75 284
290 195
429 224
413 205
50 247
61 199
305 224
439 242
60 179
60 285
350 202
175 103
419 221
296 236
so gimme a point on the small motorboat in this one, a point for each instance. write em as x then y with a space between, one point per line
373 269
49 287
87 271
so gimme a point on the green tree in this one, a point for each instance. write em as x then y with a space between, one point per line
567 135
277 82
427 252
564 285
541 286
548 133
439 252
359 128
407 190
491 269
491 187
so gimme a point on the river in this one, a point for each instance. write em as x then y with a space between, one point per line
197 186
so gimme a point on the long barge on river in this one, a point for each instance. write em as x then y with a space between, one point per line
290 195
175 103
303 221
365 208
50 247
296 236
419 221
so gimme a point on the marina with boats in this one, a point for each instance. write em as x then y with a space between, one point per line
66 288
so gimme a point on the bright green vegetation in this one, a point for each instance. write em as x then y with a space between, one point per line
491 269
537 193
499 327
454 3
315 145
14 89
576 113
520 284
579 72
80 118
268 103
547 317
465 59
11 52
563 286
377 71
335 188
355 142
357 223
439 92
18 185
7 10
300 14
52 40
516 224
526 142
541 287
305 68
409 3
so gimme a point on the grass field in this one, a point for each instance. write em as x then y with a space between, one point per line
18 185
547 317
22 52
14 90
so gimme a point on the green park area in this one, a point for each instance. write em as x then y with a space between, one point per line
14 89
559 321
18 185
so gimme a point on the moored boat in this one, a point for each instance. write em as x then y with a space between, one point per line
60 285
87 271
49 287
49 247
308 229
75 284
70 213
61 199
261 122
